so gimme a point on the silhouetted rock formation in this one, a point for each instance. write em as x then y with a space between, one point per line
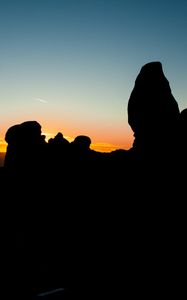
153 113
82 143
25 146
98 223
59 140
183 136
183 124
58 151
80 148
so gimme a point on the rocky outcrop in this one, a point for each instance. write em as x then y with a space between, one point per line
153 112
25 145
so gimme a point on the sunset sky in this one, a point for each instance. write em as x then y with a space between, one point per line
71 64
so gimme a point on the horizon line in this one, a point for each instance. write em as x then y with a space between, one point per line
98 146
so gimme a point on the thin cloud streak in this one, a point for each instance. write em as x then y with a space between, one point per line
40 100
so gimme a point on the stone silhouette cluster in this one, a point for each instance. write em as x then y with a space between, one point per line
28 149
153 114
81 216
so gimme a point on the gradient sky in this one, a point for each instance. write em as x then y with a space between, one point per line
71 64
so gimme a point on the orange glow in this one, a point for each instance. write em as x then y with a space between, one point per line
3 146
105 138
97 146
105 147
101 147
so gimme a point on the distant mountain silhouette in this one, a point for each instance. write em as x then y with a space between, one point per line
98 224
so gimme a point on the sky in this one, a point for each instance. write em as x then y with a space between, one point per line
71 64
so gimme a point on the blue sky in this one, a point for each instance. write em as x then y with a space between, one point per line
71 65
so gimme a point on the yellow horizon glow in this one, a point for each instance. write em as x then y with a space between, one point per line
102 142
99 146
104 137
3 146
105 147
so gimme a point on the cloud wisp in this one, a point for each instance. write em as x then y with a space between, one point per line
40 100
